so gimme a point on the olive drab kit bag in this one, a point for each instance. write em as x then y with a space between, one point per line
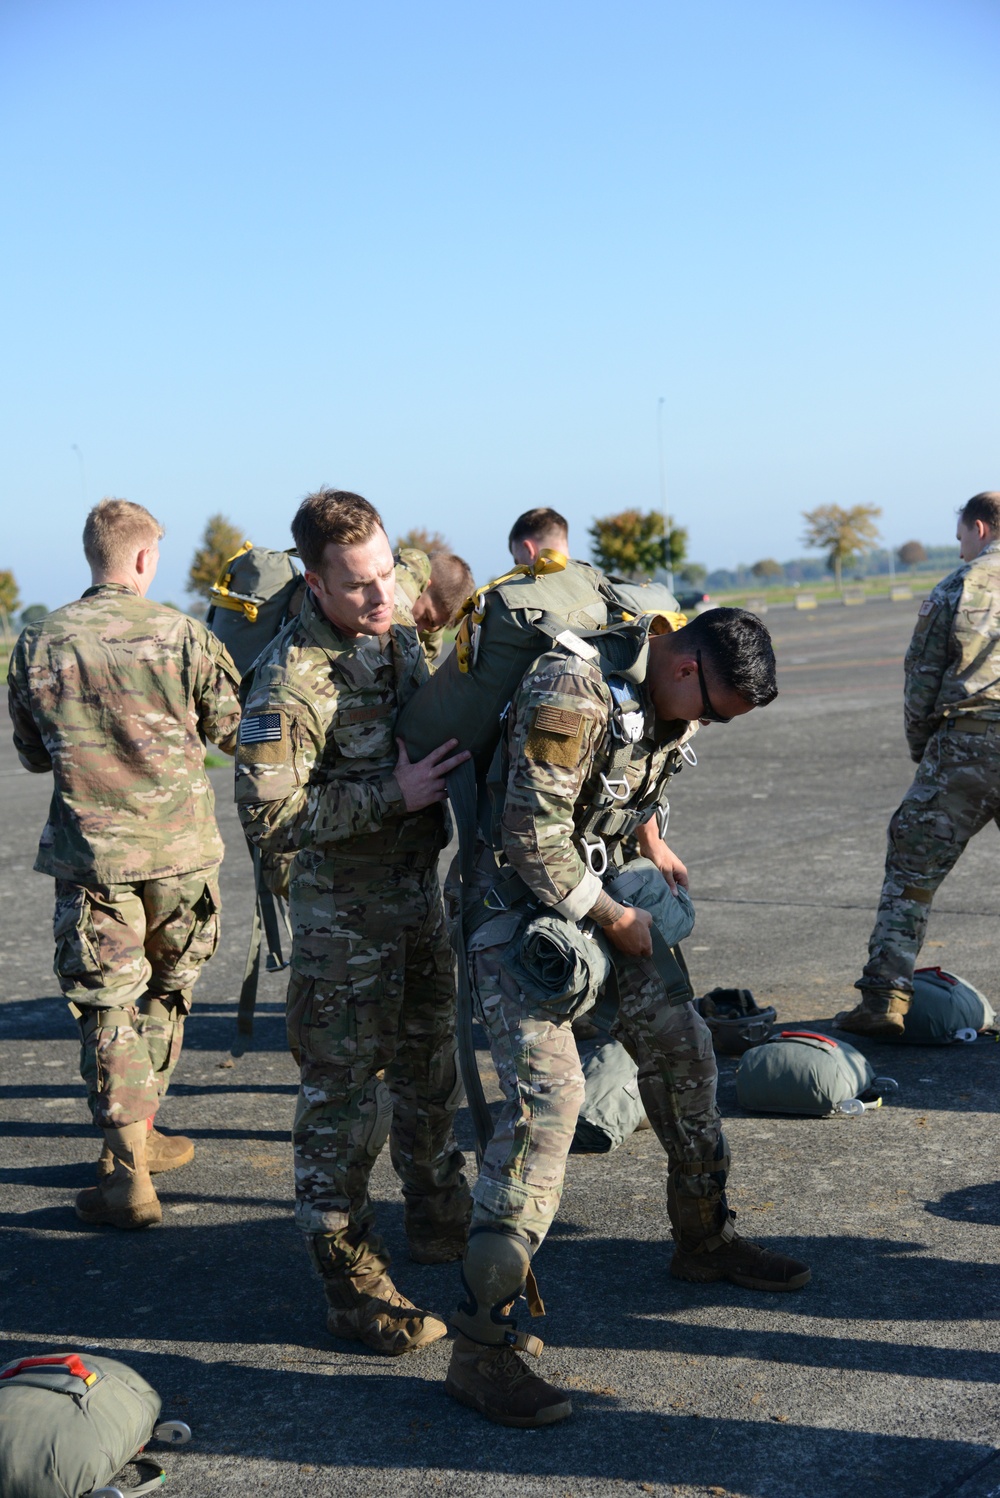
257 592
800 1071
503 628
69 1422
945 1008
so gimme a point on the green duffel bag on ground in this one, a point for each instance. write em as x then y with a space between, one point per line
70 1421
801 1072
945 1008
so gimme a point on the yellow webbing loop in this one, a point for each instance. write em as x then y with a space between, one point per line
221 595
470 616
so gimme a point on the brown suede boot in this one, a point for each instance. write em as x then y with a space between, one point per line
880 1015
727 1256
485 1372
163 1152
499 1384
364 1304
125 1197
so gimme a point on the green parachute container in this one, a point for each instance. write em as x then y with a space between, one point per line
505 626
70 1421
945 1008
258 591
801 1072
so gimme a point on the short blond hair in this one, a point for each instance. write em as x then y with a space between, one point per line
115 530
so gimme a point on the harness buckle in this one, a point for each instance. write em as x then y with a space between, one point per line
495 895
610 786
596 855
663 818
686 752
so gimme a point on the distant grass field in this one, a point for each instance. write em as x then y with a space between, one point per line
826 592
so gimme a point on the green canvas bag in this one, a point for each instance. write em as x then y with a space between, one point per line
801 1072
945 1008
257 592
69 1421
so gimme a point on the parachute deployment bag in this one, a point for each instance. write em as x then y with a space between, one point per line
945 1008
257 592
800 1072
70 1421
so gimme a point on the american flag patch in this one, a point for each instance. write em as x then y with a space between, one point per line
261 728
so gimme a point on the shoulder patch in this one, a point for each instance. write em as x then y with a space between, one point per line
263 739
559 721
927 607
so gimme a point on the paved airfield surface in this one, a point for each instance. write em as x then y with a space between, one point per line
878 1379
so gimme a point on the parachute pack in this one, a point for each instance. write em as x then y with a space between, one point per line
945 1008
802 1072
70 1421
255 595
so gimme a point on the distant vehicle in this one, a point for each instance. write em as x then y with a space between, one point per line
692 598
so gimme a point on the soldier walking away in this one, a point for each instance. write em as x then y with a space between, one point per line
371 1000
951 706
433 589
536 531
116 696
573 728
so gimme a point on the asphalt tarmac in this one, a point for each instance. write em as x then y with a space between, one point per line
878 1379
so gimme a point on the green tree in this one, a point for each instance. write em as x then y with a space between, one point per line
912 553
637 544
843 534
33 613
766 569
220 541
694 574
430 542
10 597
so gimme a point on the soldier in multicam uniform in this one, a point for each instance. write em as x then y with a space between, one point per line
560 736
432 589
371 1000
538 530
951 705
115 696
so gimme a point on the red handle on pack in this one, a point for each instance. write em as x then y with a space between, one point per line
69 1361
940 973
807 1035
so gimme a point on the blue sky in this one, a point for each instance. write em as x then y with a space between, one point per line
452 255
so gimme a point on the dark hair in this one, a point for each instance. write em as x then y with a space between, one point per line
738 650
534 524
451 582
984 507
334 515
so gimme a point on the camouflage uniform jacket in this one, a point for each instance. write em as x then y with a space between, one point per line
317 750
559 741
413 577
953 661
116 696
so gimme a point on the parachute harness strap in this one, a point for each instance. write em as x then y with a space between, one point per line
473 611
222 595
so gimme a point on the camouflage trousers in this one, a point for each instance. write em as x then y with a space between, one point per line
371 1021
127 957
521 1180
955 793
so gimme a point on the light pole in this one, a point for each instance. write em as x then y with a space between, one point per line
83 471
667 564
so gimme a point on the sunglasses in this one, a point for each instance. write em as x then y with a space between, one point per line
707 710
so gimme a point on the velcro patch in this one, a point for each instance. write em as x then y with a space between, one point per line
927 607
350 715
560 721
263 739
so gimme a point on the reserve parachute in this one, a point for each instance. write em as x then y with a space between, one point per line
255 595
506 625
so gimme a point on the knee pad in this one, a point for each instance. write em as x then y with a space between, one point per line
494 1271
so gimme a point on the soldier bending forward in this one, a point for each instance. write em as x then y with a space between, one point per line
371 1001
571 795
951 705
115 696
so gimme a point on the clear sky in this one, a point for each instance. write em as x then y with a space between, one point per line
452 255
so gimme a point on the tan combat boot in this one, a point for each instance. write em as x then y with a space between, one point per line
364 1304
486 1372
880 1015
724 1255
125 1197
163 1152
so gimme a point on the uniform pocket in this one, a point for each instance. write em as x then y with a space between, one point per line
77 949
